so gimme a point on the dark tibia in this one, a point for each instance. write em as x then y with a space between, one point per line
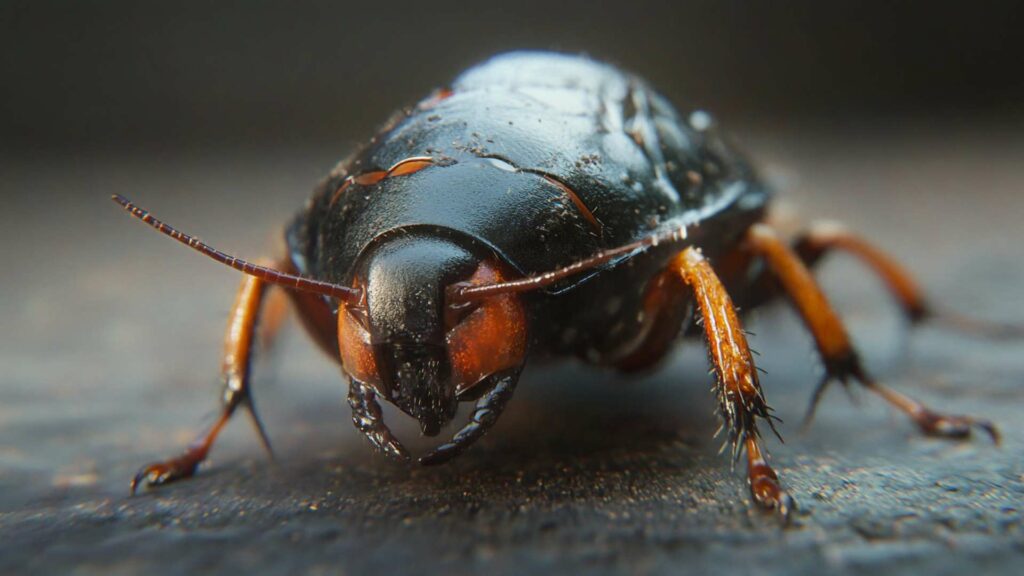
488 408
368 419
841 359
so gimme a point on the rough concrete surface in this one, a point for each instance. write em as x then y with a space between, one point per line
110 346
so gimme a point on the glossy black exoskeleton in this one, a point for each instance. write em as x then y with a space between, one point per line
543 205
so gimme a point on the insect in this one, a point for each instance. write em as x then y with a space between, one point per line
543 205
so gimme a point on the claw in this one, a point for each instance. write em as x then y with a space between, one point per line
767 493
764 484
956 427
143 474
929 422
392 447
786 508
439 455
990 429
159 473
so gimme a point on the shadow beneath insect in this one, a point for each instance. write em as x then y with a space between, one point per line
572 421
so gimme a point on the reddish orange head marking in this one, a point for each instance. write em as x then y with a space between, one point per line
483 337
489 339
354 343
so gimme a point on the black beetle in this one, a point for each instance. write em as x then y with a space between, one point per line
544 204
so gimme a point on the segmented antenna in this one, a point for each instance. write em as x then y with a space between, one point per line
344 293
458 293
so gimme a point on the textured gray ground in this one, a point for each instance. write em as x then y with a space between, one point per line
110 345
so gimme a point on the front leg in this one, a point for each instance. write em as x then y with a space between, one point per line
740 398
239 342
488 408
369 419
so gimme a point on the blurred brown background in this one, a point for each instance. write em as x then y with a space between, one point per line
906 120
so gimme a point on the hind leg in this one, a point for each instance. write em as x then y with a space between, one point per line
823 238
842 362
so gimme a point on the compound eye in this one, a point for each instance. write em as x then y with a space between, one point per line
485 337
357 357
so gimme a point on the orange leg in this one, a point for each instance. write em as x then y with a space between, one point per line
841 359
741 401
665 307
825 237
813 245
239 343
